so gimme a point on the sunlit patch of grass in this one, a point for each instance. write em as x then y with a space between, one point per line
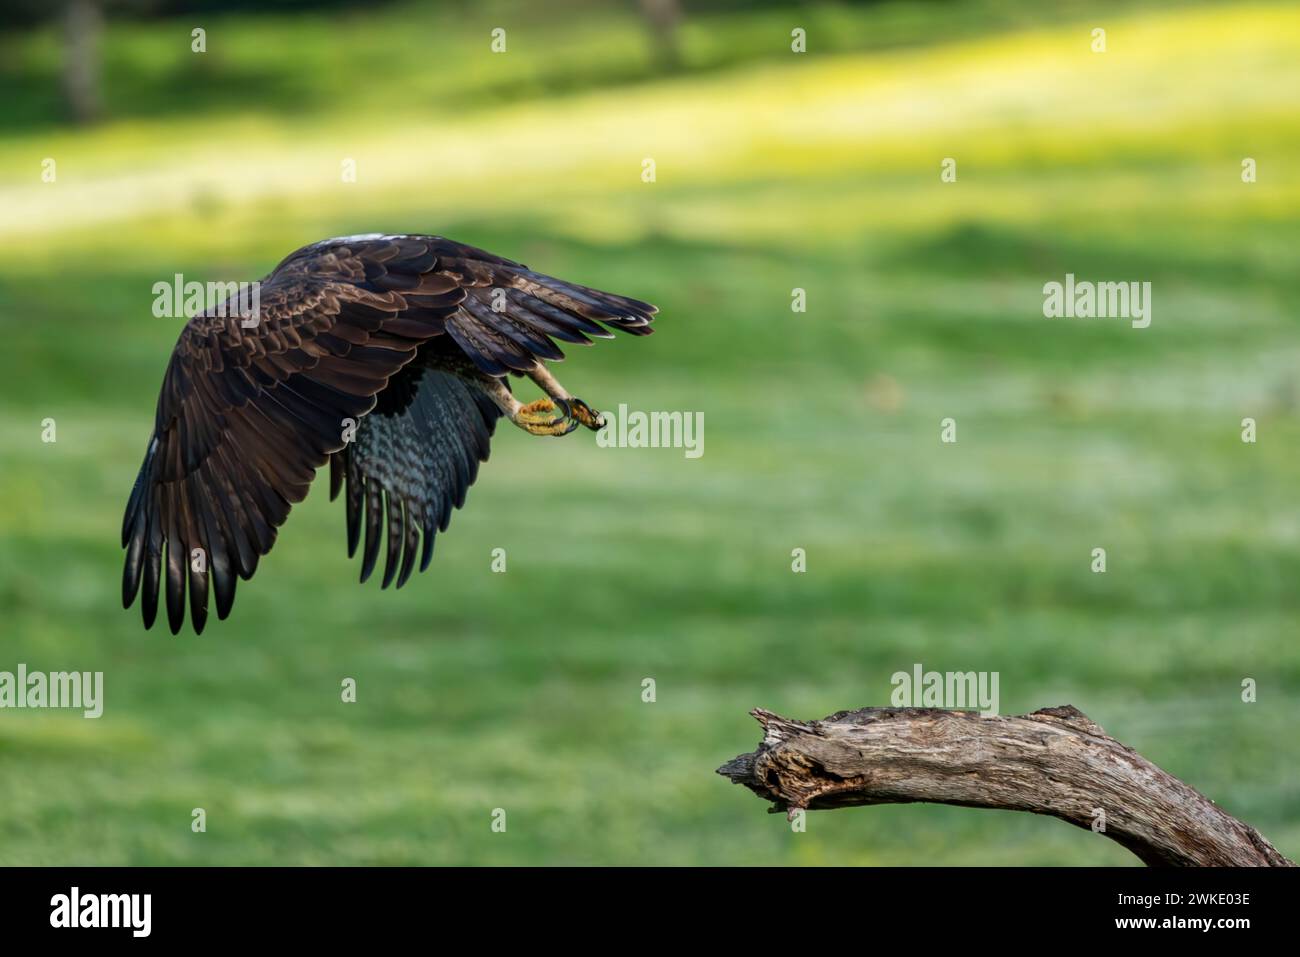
1020 111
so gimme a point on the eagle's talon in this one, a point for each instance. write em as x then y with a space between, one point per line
586 415
539 418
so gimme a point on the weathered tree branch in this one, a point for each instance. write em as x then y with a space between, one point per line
1054 761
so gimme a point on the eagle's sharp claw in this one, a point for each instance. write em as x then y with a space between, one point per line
586 415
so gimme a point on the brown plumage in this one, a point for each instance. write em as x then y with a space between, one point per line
405 340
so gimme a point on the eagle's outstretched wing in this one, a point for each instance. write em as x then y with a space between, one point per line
416 455
511 314
247 415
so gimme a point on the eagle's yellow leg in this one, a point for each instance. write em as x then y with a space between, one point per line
557 414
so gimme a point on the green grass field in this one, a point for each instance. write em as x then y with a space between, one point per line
522 690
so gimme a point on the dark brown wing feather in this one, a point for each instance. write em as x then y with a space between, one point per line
246 416
511 314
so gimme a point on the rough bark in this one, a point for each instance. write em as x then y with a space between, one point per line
1055 761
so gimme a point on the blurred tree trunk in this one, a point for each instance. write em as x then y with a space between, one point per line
663 17
83 25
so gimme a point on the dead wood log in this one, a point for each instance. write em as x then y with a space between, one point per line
1055 761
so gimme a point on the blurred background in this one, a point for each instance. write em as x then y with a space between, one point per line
774 171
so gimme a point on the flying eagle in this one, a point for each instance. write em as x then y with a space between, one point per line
386 356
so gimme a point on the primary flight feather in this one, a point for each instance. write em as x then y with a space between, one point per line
386 356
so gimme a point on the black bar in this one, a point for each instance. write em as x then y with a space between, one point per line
214 906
